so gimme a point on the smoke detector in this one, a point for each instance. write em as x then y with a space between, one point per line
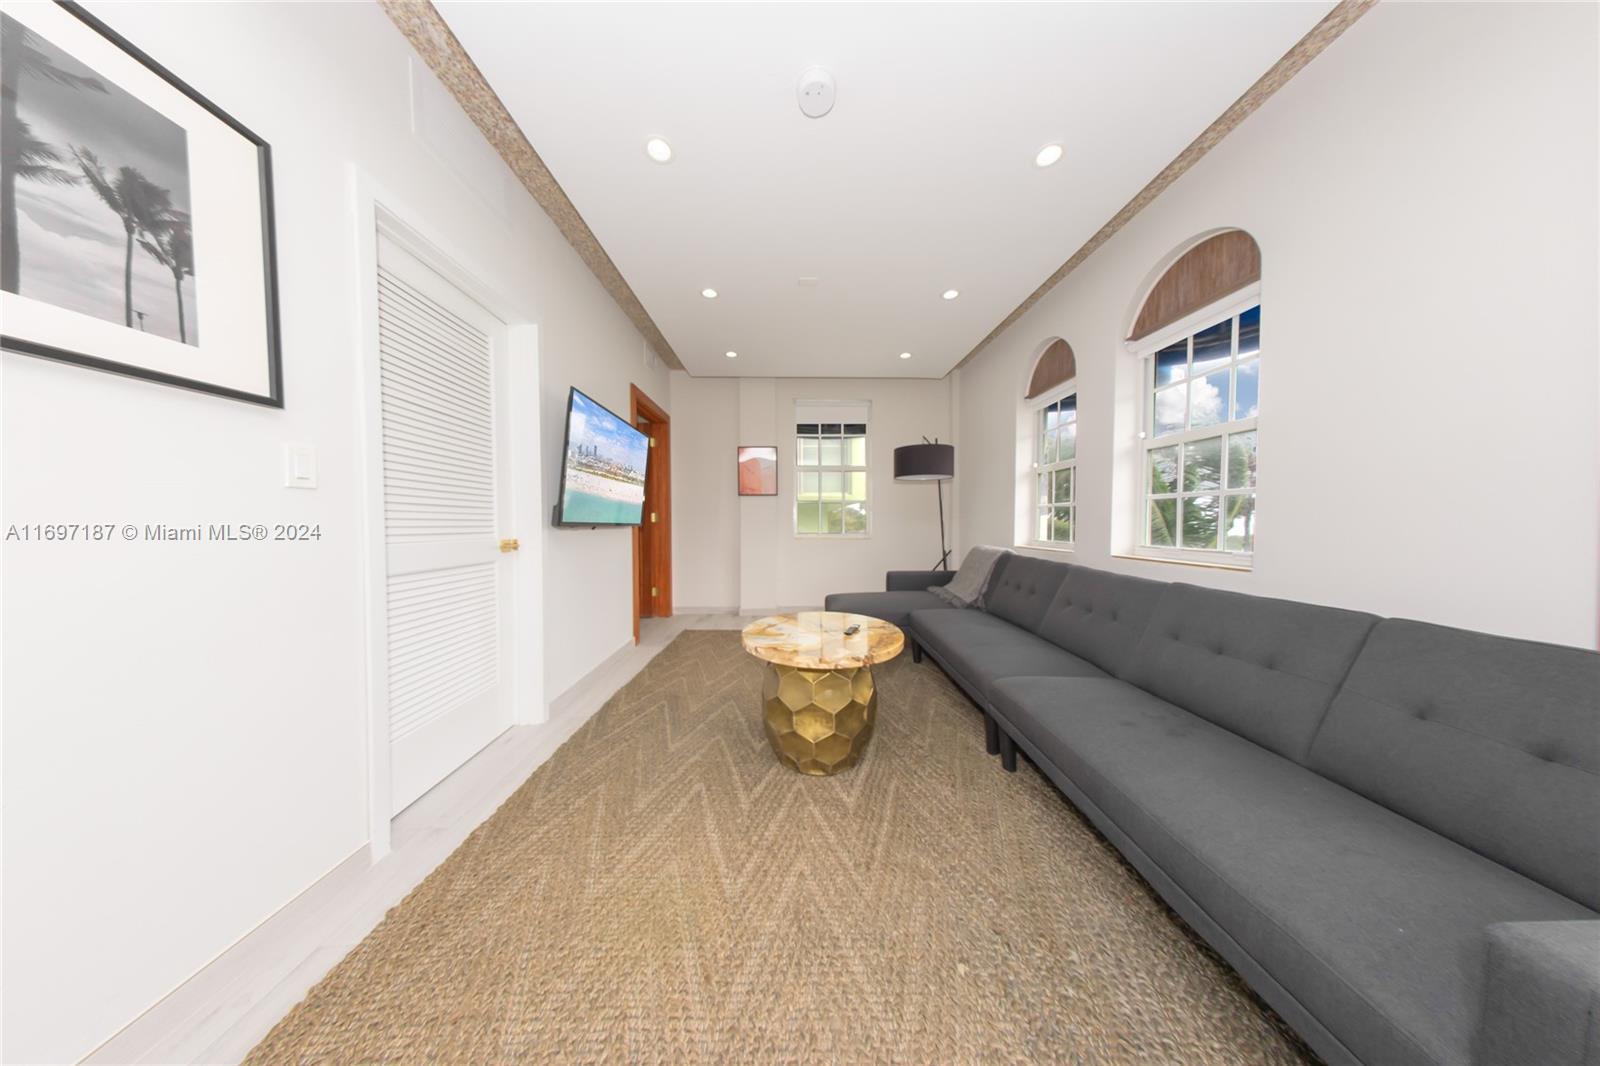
815 92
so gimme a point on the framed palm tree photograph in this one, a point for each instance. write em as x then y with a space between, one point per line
135 215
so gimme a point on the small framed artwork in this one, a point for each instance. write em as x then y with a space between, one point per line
135 215
758 470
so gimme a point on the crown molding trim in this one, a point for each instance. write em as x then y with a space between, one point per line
1324 33
422 25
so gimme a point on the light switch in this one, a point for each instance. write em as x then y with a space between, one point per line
299 466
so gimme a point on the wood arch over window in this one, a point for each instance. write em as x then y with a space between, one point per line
1212 269
1056 366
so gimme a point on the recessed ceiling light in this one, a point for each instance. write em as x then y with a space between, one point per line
731 355
658 150
951 294
710 294
905 355
1049 155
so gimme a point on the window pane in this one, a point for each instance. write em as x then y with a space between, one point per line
1212 347
1202 465
1061 524
855 429
1164 469
832 517
1048 455
830 428
806 518
1239 525
1067 442
856 449
808 451
1200 521
832 485
1208 399
806 429
1043 495
1051 416
807 489
1250 331
1242 460
1069 408
1172 363
856 489
1163 523
1063 486
1043 531
855 518
1247 382
832 451
1169 410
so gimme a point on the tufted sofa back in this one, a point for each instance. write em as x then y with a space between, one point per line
1262 668
1490 741
1021 587
1100 616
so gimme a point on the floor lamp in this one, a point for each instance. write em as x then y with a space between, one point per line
928 461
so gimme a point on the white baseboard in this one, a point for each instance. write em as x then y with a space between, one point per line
584 689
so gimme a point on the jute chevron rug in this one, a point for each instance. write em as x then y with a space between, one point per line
661 890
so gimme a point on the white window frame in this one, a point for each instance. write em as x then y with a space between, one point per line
844 468
1228 307
1036 408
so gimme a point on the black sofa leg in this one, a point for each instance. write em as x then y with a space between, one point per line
916 651
1008 753
991 734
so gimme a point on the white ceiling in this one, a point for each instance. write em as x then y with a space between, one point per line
921 180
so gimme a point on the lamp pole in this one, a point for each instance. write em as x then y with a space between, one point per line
929 461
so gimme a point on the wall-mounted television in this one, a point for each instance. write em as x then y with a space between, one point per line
603 463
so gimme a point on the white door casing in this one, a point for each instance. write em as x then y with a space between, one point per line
446 505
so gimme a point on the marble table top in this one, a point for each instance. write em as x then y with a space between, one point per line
815 640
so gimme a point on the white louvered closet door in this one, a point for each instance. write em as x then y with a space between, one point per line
448 594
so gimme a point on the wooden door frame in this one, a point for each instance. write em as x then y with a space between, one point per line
658 476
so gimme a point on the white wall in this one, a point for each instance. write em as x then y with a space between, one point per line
1424 198
185 724
705 483
753 556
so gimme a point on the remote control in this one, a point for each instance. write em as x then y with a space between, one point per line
852 629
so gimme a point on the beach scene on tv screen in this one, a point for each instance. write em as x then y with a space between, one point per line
605 467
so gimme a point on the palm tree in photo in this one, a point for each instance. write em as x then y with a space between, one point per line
33 159
172 245
133 198
21 57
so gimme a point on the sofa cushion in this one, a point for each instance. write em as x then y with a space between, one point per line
1021 587
979 648
1491 741
1373 923
1542 1000
1265 669
889 606
1101 616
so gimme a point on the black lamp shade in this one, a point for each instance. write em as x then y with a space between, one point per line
925 462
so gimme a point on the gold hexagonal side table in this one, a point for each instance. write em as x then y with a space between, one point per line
819 701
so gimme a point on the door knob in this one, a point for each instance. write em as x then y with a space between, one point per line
510 545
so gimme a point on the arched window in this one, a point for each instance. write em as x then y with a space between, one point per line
1198 333
1052 397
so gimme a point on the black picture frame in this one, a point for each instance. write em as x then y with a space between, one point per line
274 395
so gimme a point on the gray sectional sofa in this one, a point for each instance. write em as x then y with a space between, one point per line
1390 829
